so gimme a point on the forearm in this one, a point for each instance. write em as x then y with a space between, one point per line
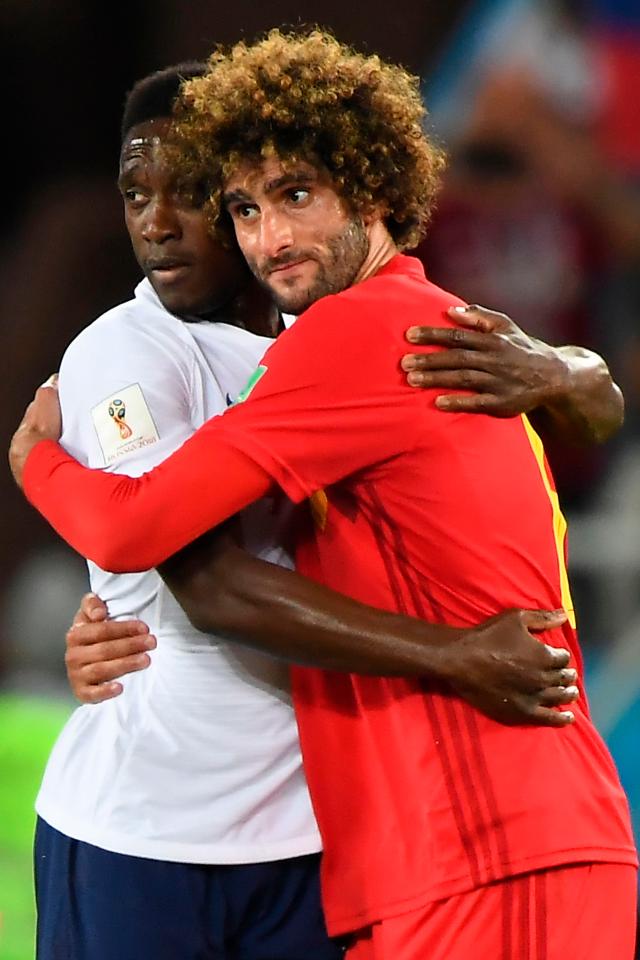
127 524
226 591
587 406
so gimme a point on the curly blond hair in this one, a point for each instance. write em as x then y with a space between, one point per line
309 97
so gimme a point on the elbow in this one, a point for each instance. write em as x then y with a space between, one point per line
119 550
608 426
213 606
211 614
201 620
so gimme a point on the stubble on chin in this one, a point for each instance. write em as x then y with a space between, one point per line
347 252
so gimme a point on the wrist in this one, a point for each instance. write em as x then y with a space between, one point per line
558 378
441 651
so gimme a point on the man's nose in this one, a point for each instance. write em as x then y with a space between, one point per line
160 223
276 235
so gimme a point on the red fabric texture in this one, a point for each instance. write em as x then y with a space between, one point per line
586 912
127 524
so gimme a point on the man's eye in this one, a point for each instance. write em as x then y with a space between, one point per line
245 212
133 195
298 195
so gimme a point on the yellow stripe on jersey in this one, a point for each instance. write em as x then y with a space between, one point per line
319 508
559 522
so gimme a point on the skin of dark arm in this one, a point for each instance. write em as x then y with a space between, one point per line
567 391
499 666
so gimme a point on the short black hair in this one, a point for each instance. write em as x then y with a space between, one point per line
154 95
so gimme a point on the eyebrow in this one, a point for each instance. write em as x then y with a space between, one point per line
300 176
241 196
125 177
235 196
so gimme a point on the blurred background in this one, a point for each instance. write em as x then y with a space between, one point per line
537 103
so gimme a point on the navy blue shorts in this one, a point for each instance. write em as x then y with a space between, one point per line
96 905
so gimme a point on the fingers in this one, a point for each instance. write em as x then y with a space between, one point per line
95 674
548 717
42 416
88 634
451 337
487 403
106 691
558 696
542 711
543 620
93 670
559 678
96 683
80 619
91 609
51 382
475 318
473 315
95 694
460 379
108 651
44 403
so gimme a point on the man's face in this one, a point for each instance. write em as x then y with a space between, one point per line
191 273
295 231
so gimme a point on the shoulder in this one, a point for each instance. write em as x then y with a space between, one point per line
138 328
387 303
100 331
398 286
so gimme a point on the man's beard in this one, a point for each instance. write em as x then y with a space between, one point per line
346 252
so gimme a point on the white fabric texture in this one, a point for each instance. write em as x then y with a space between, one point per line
198 760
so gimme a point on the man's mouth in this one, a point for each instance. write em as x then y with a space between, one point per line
167 268
281 269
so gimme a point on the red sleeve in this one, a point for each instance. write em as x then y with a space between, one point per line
332 399
127 524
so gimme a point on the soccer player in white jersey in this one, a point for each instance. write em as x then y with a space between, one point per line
174 821
199 762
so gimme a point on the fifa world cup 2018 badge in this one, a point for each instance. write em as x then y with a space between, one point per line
134 429
117 412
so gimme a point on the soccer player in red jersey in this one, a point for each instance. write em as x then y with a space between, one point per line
446 834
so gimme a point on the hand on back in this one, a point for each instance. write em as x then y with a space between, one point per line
505 371
501 668
100 651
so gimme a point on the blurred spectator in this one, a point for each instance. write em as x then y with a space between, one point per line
532 222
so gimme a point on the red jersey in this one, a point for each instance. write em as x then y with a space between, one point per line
448 517
451 518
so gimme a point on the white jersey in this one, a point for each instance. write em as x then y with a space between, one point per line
198 760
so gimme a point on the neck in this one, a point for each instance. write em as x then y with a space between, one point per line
252 309
381 250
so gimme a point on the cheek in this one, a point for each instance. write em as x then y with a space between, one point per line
246 242
134 229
